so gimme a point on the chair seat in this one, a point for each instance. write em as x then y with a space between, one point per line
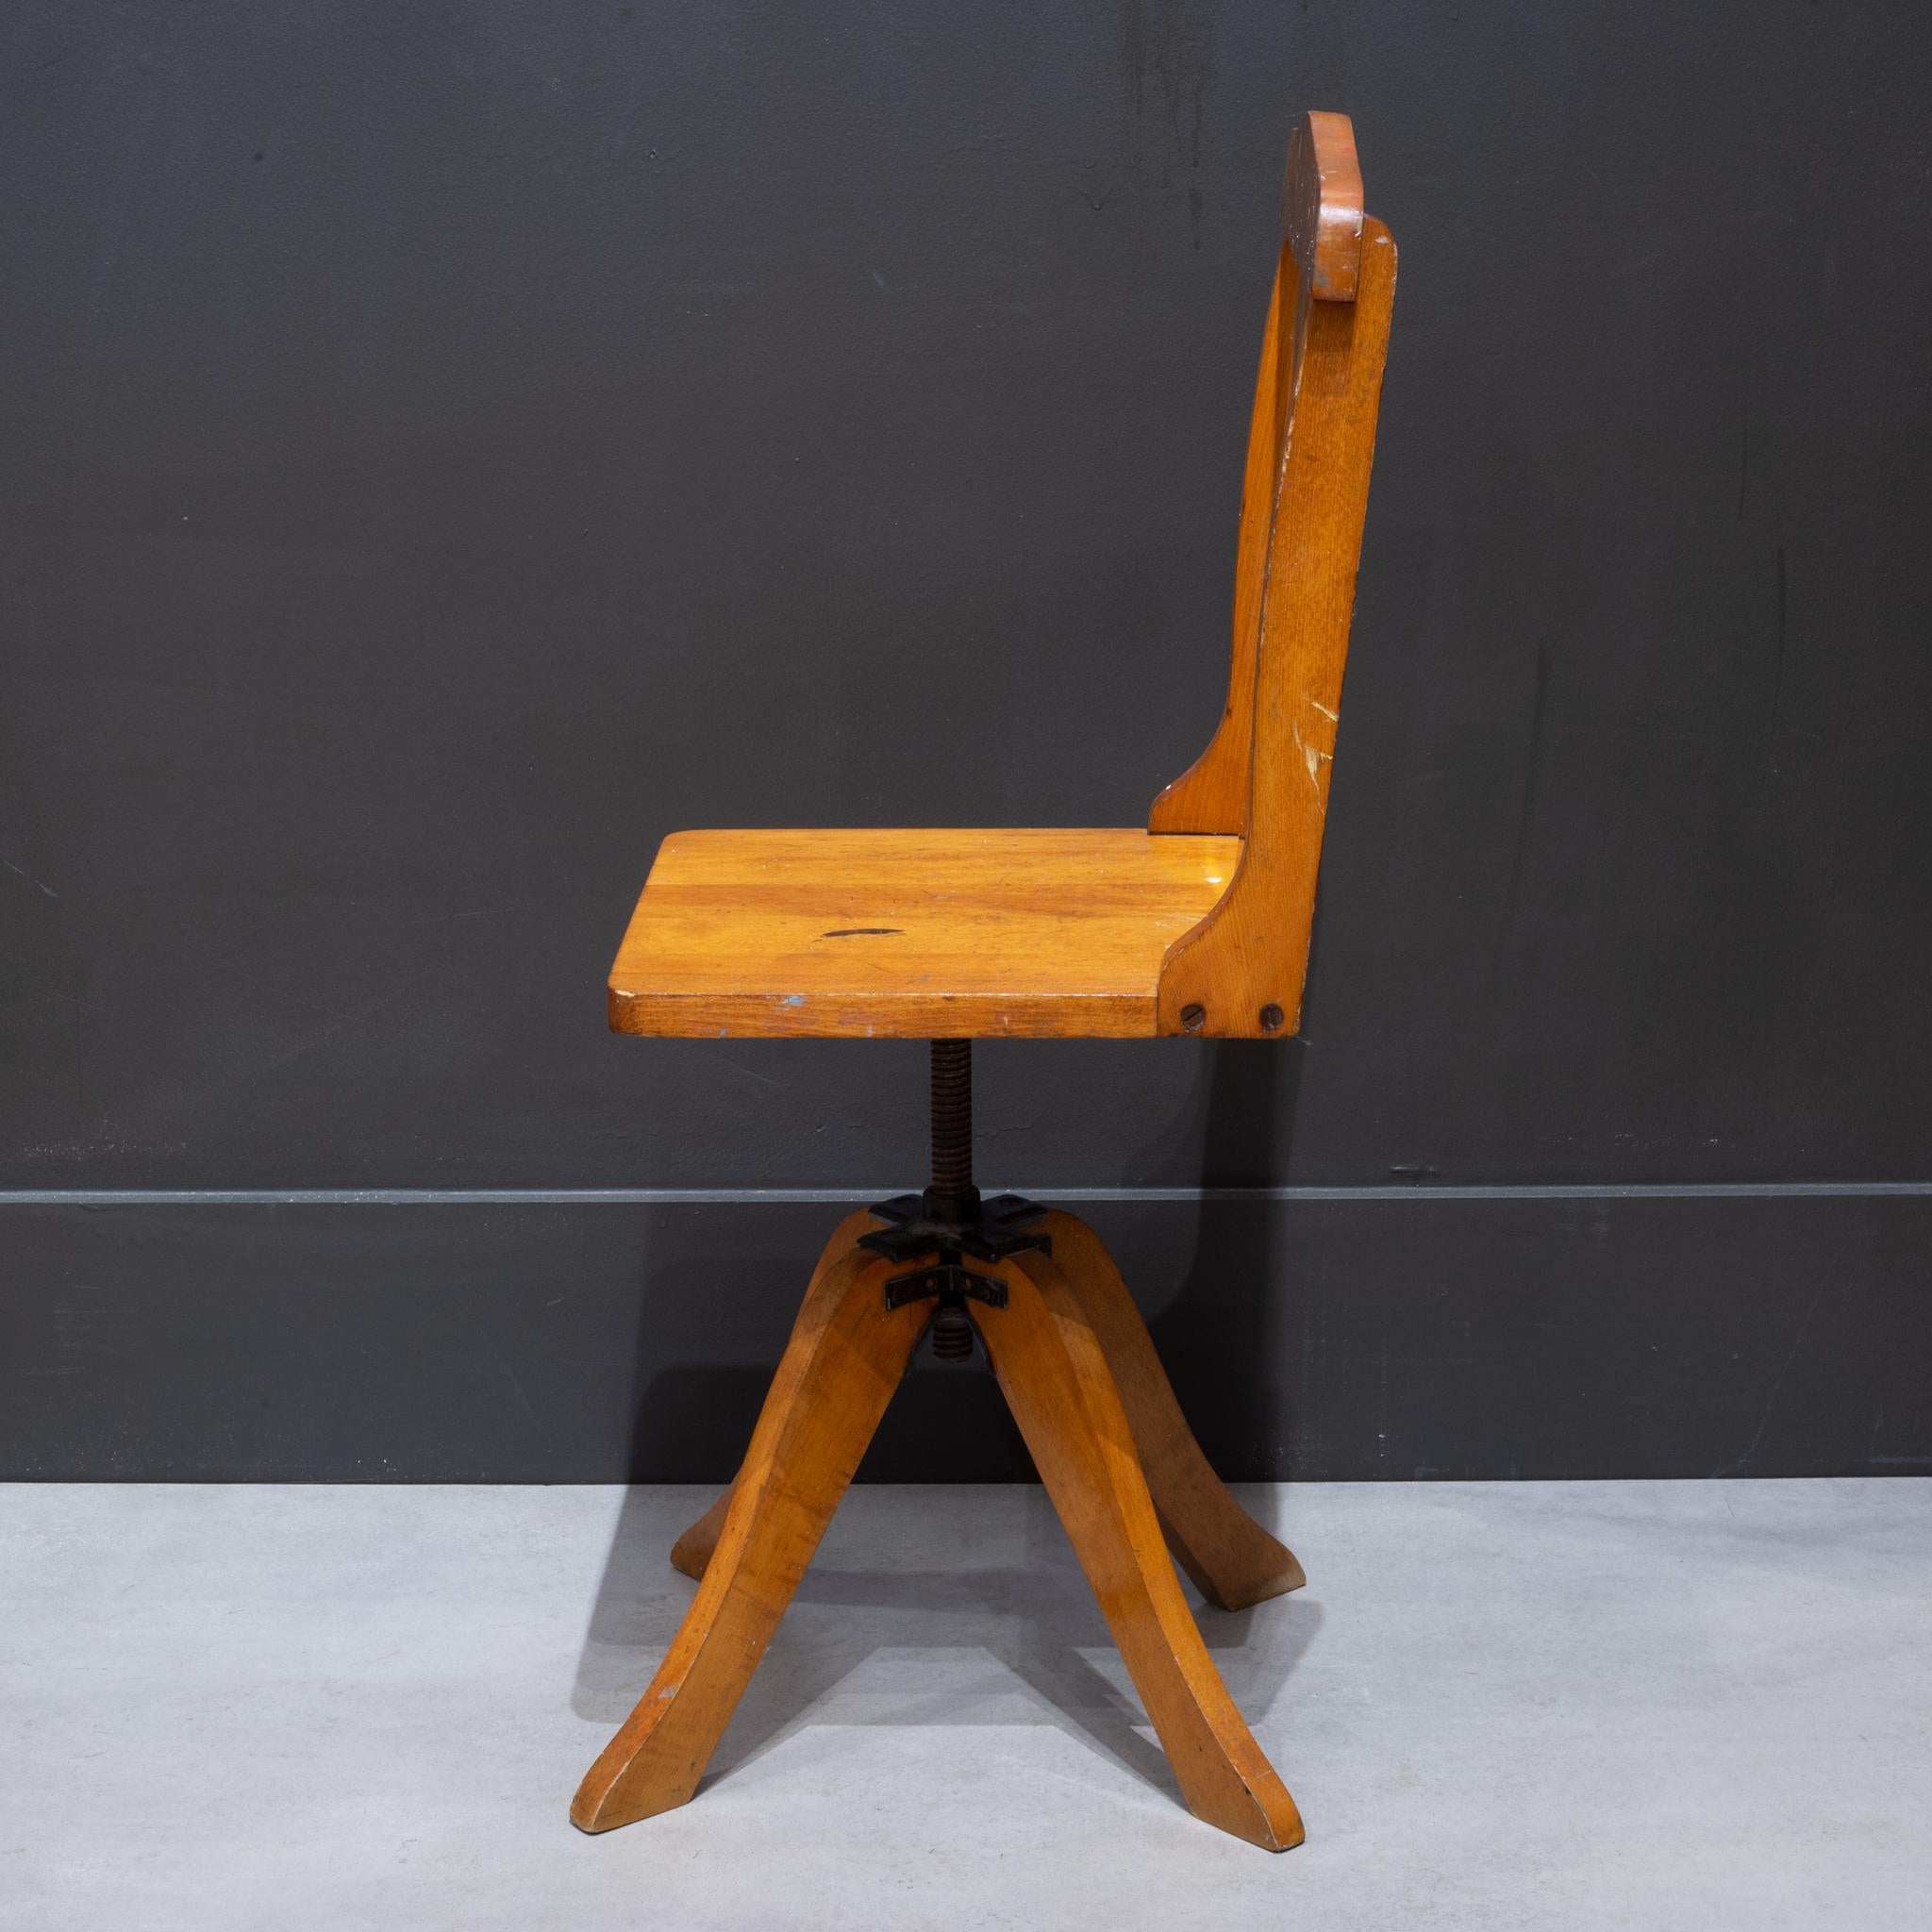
911 934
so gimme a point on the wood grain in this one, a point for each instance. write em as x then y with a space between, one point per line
845 1358
1321 222
910 934
1230 1559
1239 973
1199 924
1233 1562
691 1552
1322 205
1079 1371
1053 1374
1212 794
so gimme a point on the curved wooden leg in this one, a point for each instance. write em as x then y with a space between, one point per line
1230 1559
691 1552
846 1355
1055 1377
1233 1562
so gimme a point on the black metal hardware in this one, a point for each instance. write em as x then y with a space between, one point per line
953 1196
949 1222
995 1229
950 1282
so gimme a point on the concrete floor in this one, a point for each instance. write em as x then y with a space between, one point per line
1650 1705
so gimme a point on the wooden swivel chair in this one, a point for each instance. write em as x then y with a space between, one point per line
1198 924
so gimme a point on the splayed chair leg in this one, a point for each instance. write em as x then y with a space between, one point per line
693 1551
1056 1379
1080 1373
845 1358
1231 1559
1233 1562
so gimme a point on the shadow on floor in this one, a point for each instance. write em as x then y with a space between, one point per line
1036 1618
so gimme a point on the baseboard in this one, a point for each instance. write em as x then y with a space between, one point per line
491 1336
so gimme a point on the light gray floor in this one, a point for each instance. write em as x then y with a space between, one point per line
1654 1705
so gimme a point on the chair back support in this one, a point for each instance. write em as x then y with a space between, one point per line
1264 778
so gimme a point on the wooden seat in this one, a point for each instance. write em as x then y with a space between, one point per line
920 933
1197 925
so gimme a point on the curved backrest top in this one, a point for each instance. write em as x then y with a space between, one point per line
1321 206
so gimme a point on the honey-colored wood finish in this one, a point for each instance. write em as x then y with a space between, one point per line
691 1552
1230 1559
1053 1374
1321 240
1239 973
1212 794
1322 205
1079 1373
843 1362
845 1359
1198 924
919 933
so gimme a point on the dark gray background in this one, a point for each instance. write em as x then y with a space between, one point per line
449 447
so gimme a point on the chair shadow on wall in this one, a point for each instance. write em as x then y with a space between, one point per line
1220 1330
883 1582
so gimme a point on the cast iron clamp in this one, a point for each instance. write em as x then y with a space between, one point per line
992 1231
949 1222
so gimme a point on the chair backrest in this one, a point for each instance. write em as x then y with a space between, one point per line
1265 775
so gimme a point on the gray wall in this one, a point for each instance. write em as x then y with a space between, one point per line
451 447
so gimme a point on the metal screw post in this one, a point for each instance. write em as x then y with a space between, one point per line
952 1195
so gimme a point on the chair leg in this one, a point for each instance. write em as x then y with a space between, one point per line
846 1355
1054 1376
693 1551
1233 1562
1229 1557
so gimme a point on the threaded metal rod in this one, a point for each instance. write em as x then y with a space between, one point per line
952 1187
952 1336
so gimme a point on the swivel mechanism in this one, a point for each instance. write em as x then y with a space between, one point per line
949 1222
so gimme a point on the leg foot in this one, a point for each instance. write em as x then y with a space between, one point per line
1055 1377
846 1355
691 1552
1233 1562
